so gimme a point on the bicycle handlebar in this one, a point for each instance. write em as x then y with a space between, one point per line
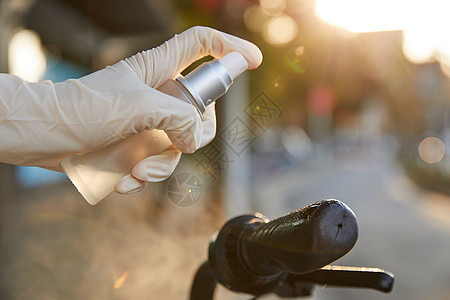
251 254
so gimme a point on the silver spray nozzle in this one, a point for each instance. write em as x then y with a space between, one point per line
211 80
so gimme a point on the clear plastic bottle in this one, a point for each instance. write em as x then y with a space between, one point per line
96 173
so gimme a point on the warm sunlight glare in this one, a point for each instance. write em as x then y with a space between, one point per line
362 15
418 45
426 32
425 24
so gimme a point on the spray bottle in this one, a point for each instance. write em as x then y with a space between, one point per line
96 173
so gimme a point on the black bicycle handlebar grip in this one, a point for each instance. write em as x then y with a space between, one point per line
252 255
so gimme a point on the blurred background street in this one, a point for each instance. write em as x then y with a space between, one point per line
351 102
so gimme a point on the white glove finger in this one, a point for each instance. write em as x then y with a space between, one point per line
166 61
142 108
129 185
209 125
157 167
179 120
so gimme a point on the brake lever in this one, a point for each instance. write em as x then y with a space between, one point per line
300 285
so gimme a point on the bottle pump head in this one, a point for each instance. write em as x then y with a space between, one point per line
212 79
235 64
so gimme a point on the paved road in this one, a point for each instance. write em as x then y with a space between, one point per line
403 228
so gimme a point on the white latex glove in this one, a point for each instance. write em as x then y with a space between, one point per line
43 123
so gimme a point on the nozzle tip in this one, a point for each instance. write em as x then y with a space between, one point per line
235 63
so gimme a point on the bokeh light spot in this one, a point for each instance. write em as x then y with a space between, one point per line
26 58
431 150
296 60
273 8
254 18
300 50
280 30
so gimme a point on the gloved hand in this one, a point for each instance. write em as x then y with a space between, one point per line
43 123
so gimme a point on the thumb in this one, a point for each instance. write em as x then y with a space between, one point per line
151 169
157 167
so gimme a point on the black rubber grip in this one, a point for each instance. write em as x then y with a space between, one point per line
302 241
252 255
